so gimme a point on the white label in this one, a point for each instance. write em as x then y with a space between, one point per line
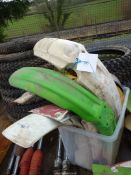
87 62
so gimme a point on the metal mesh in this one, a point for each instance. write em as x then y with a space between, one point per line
93 13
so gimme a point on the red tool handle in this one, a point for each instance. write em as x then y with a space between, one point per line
25 162
36 163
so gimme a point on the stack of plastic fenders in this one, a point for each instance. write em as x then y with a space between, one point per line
82 85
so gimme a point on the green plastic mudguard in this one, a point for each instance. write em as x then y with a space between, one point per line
106 170
67 94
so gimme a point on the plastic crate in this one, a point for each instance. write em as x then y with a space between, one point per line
84 148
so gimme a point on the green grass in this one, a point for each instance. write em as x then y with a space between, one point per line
92 13
84 14
25 26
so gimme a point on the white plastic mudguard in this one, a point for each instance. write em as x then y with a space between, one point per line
28 130
61 53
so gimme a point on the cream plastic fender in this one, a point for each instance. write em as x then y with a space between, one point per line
61 53
28 130
25 98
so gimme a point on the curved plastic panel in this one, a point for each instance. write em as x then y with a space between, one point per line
67 94
61 53
28 130
58 52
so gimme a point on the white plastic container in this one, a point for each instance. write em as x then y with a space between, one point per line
84 148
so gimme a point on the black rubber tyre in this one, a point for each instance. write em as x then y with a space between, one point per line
9 63
16 46
12 61
119 66
7 67
17 112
